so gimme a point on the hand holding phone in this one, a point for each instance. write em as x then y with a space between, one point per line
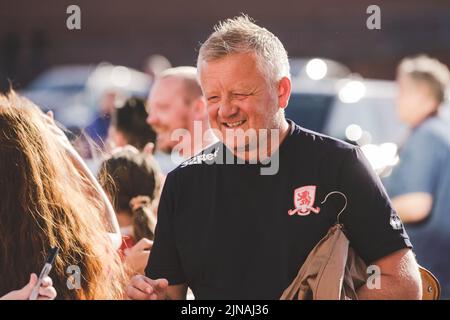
44 273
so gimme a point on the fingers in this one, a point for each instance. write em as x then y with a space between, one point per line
33 280
149 147
159 287
144 244
143 288
47 293
140 282
136 260
145 254
47 282
25 292
162 283
139 289
135 294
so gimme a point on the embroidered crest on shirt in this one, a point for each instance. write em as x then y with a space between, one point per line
303 201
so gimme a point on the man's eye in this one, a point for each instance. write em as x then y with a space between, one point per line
213 98
241 95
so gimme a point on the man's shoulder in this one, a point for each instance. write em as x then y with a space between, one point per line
318 142
436 129
201 160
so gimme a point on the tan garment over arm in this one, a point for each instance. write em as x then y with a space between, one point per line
332 271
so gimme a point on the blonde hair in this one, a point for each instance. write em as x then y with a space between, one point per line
430 71
242 35
45 203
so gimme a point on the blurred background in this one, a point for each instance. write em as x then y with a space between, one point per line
343 73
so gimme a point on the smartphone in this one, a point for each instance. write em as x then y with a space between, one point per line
44 273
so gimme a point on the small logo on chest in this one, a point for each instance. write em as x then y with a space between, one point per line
304 198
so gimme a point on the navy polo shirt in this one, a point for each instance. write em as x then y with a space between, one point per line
229 232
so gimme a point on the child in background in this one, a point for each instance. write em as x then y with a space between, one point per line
132 180
129 126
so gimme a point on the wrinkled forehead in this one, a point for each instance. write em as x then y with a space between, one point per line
231 70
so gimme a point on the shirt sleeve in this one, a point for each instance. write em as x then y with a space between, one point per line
418 169
372 226
164 261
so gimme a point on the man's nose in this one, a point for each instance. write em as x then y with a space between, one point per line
152 119
227 110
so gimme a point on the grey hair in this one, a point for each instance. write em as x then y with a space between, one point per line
242 35
428 70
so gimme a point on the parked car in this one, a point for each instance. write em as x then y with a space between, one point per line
72 92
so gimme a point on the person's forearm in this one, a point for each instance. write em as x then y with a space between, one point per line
391 289
413 207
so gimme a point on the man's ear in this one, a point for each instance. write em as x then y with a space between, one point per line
284 92
428 103
432 102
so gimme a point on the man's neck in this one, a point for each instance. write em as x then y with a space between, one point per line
271 143
423 118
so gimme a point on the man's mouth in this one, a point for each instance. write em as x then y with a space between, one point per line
234 124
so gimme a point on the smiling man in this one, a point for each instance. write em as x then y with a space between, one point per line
227 231
176 104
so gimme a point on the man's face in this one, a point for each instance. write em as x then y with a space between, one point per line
414 100
167 110
238 97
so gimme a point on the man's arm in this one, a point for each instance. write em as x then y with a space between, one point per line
377 234
413 207
400 278
413 181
